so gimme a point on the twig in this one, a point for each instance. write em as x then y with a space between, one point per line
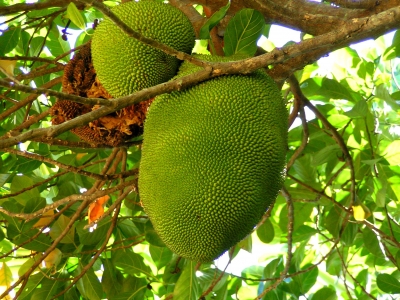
352 277
61 165
87 196
28 99
304 140
338 138
285 270
23 279
46 91
103 246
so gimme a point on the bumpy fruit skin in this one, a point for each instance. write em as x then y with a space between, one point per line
213 161
123 64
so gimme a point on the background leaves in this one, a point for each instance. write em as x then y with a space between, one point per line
344 119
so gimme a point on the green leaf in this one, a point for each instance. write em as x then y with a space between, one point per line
371 242
392 153
112 279
72 294
33 282
34 204
266 232
388 283
362 278
39 243
302 213
160 255
48 289
398 259
212 22
173 270
359 110
2 235
152 236
333 221
243 32
132 264
349 233
134 294
246 244
253 272
334 264
328 153
303 232
59 226
222 292
134 288
332 89
382 92
92 237
187 286
4 178
27 264
308 279
304 168
272 267
128 228
9 39
57 45
266 30
89 285
326 293
75 16
36 45
20 183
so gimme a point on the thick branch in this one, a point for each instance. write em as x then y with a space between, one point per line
321 45
357 4
7 10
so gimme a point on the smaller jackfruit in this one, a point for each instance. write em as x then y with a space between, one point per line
125 65
213 158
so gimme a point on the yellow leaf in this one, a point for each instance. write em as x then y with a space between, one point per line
53 259
8 66
45 219
5 276
79 156
359 213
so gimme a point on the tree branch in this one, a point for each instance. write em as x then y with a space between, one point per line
338 138
356 4
284 273
8 10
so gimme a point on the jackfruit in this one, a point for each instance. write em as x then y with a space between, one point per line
213 158
125 65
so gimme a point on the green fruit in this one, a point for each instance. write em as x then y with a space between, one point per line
213 161
123 64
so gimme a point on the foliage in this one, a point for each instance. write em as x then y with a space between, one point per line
72 223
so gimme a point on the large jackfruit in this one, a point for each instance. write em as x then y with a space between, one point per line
125 65
213 161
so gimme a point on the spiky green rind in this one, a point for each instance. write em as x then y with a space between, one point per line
123 64
213 161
